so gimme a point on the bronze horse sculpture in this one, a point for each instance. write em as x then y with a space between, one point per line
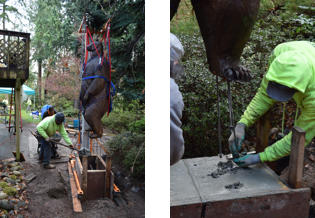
225 26
94 94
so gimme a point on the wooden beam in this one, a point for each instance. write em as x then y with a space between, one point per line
108 176
17 94
262 132
77 207
84 174
296 157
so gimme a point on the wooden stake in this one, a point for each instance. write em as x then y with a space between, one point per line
108 176
296 157
84 174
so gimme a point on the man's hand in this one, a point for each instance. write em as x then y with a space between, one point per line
49 139
247 160
235 144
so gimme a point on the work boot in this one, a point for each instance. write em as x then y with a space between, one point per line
49 166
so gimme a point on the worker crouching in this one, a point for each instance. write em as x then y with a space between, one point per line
291 75
47 129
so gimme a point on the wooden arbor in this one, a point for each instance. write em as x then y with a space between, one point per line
14 69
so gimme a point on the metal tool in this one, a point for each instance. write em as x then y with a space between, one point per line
232 128
67 146
219 118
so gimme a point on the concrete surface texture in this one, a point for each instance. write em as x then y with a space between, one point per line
191 181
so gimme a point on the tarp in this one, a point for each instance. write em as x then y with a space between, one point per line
27 90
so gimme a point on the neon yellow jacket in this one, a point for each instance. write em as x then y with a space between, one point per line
48 127
291 64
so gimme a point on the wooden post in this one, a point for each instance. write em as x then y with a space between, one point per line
84 174
108 176
262 132
17 116
296 157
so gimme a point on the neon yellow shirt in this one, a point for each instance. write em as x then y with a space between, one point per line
48 127
291 64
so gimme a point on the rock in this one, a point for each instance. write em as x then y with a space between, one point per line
13 164
21 204
7 205
15 168
17 173
10 191
13 177
3 195
29 178
20 216
11 181
4 174
4 216
3 184
23 186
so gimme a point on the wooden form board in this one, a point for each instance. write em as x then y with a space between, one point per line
77 207
296 158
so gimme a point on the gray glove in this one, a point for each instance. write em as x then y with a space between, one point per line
236 145
247 160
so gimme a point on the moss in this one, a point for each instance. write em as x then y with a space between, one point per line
10 191
13 177
3 185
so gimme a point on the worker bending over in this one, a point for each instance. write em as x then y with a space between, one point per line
291 73
47 129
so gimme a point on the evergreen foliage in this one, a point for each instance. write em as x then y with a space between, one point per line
277 22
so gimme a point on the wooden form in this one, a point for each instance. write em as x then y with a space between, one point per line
77 207
95 176
262 132
296 157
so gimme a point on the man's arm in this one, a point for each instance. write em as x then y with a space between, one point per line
259 105
64 135
281 148
41 128
176 134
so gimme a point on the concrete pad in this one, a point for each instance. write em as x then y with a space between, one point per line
262 192
256 179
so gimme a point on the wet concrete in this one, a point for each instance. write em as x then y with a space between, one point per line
223 168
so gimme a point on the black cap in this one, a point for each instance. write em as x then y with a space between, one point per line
279 92
59 118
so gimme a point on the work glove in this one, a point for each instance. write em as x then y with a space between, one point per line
50 139
236 145
247 160
71 146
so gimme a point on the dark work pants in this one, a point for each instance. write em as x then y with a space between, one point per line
45 151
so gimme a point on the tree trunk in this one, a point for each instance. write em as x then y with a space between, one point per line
39 82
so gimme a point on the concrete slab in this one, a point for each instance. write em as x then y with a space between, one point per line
181 180
192 185
8 143
256 179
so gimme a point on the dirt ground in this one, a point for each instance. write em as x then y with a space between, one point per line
49 194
